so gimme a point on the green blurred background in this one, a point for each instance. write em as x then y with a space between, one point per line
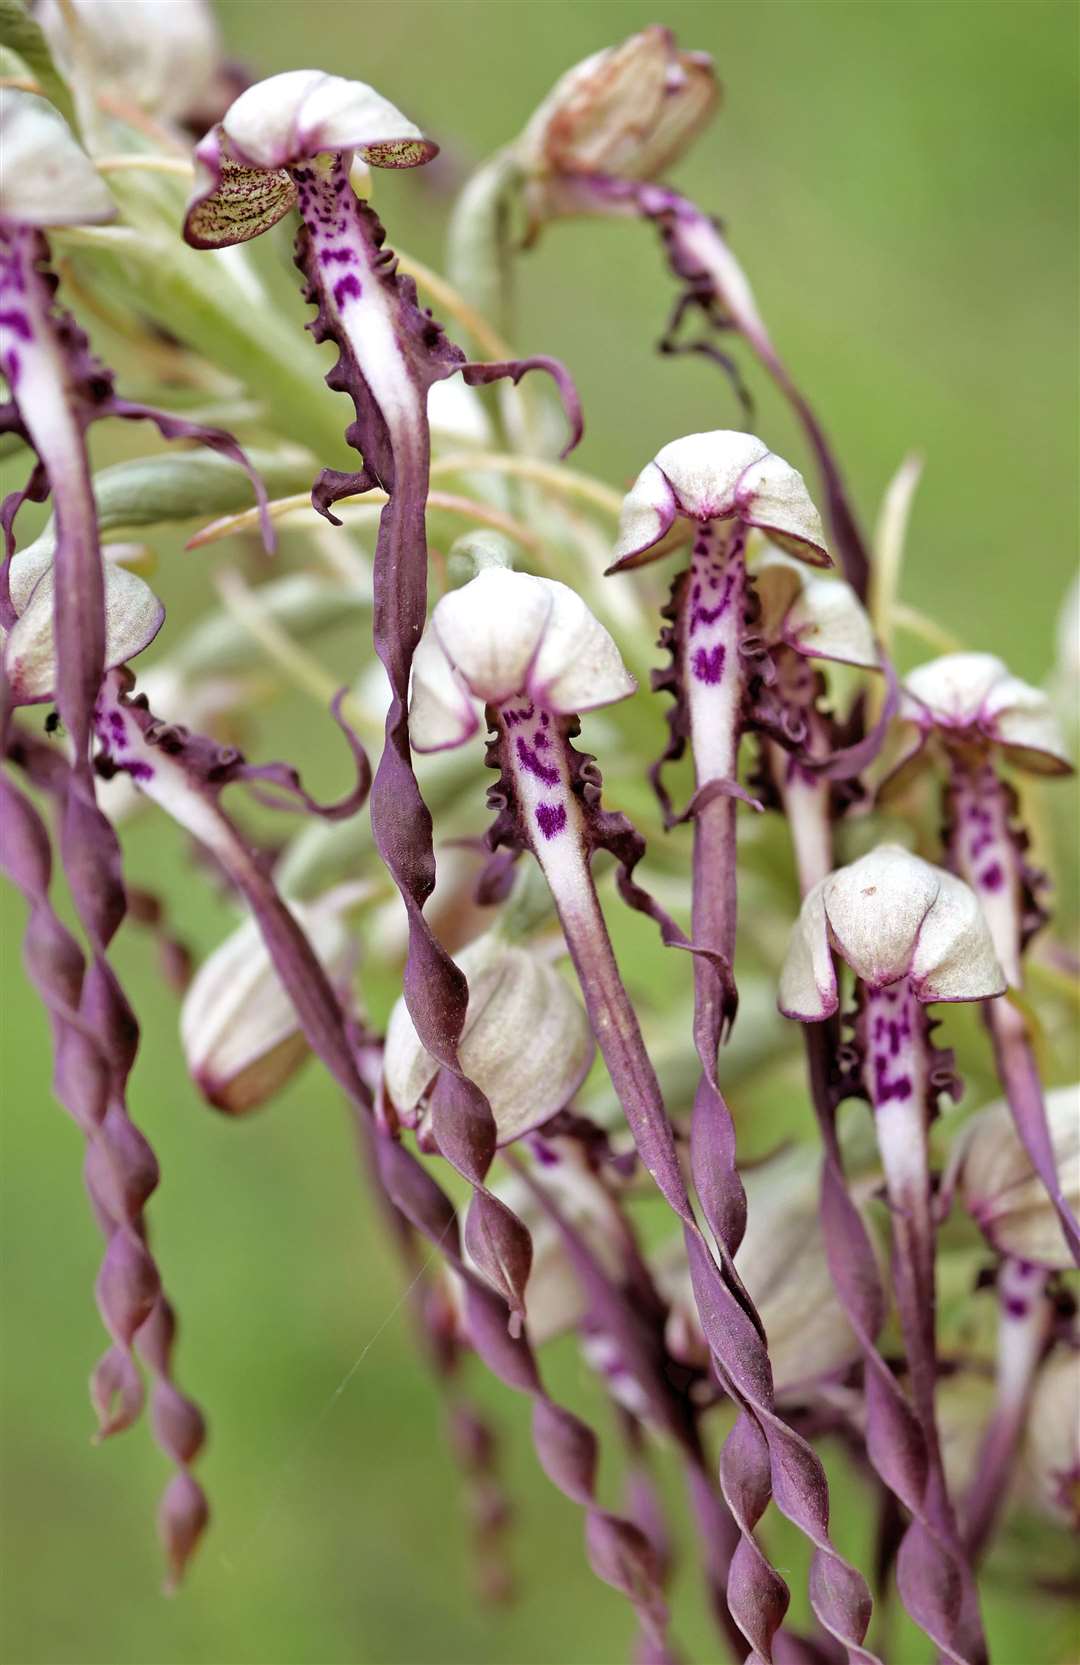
900 182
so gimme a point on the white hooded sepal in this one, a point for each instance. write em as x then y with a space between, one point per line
133 617
819 617
722 475
526 1041
46 179
239 1029
242 183
1002 1192
302 113
506 635
889 915
975 697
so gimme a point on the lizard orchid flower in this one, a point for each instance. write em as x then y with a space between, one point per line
969 711
287 143
913 935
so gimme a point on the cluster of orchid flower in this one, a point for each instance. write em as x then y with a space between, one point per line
764 1315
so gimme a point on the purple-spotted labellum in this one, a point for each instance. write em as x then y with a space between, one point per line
57 390
286 143
969 710
913 935
529 652
597 145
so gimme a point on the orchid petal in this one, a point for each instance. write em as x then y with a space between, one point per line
292 117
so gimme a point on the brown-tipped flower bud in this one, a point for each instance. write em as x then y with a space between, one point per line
1052 1453
526 1042
240 1032
782 1261
627 113
1002 1192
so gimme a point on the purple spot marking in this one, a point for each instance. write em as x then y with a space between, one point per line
337 257
140 771
530 761
18 323
708 664
993 878
551 819
1016 1306
346 288
898 1088
12 367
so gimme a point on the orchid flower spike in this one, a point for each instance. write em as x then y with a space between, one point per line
529 652
978 717
526 1041
913 934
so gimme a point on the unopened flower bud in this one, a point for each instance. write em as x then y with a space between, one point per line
723 475
1052 1454
133 617
889 915
240 1032
973 699
782 1261
46 178
1001 1190
526 1042
502 635
819 617
627 112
